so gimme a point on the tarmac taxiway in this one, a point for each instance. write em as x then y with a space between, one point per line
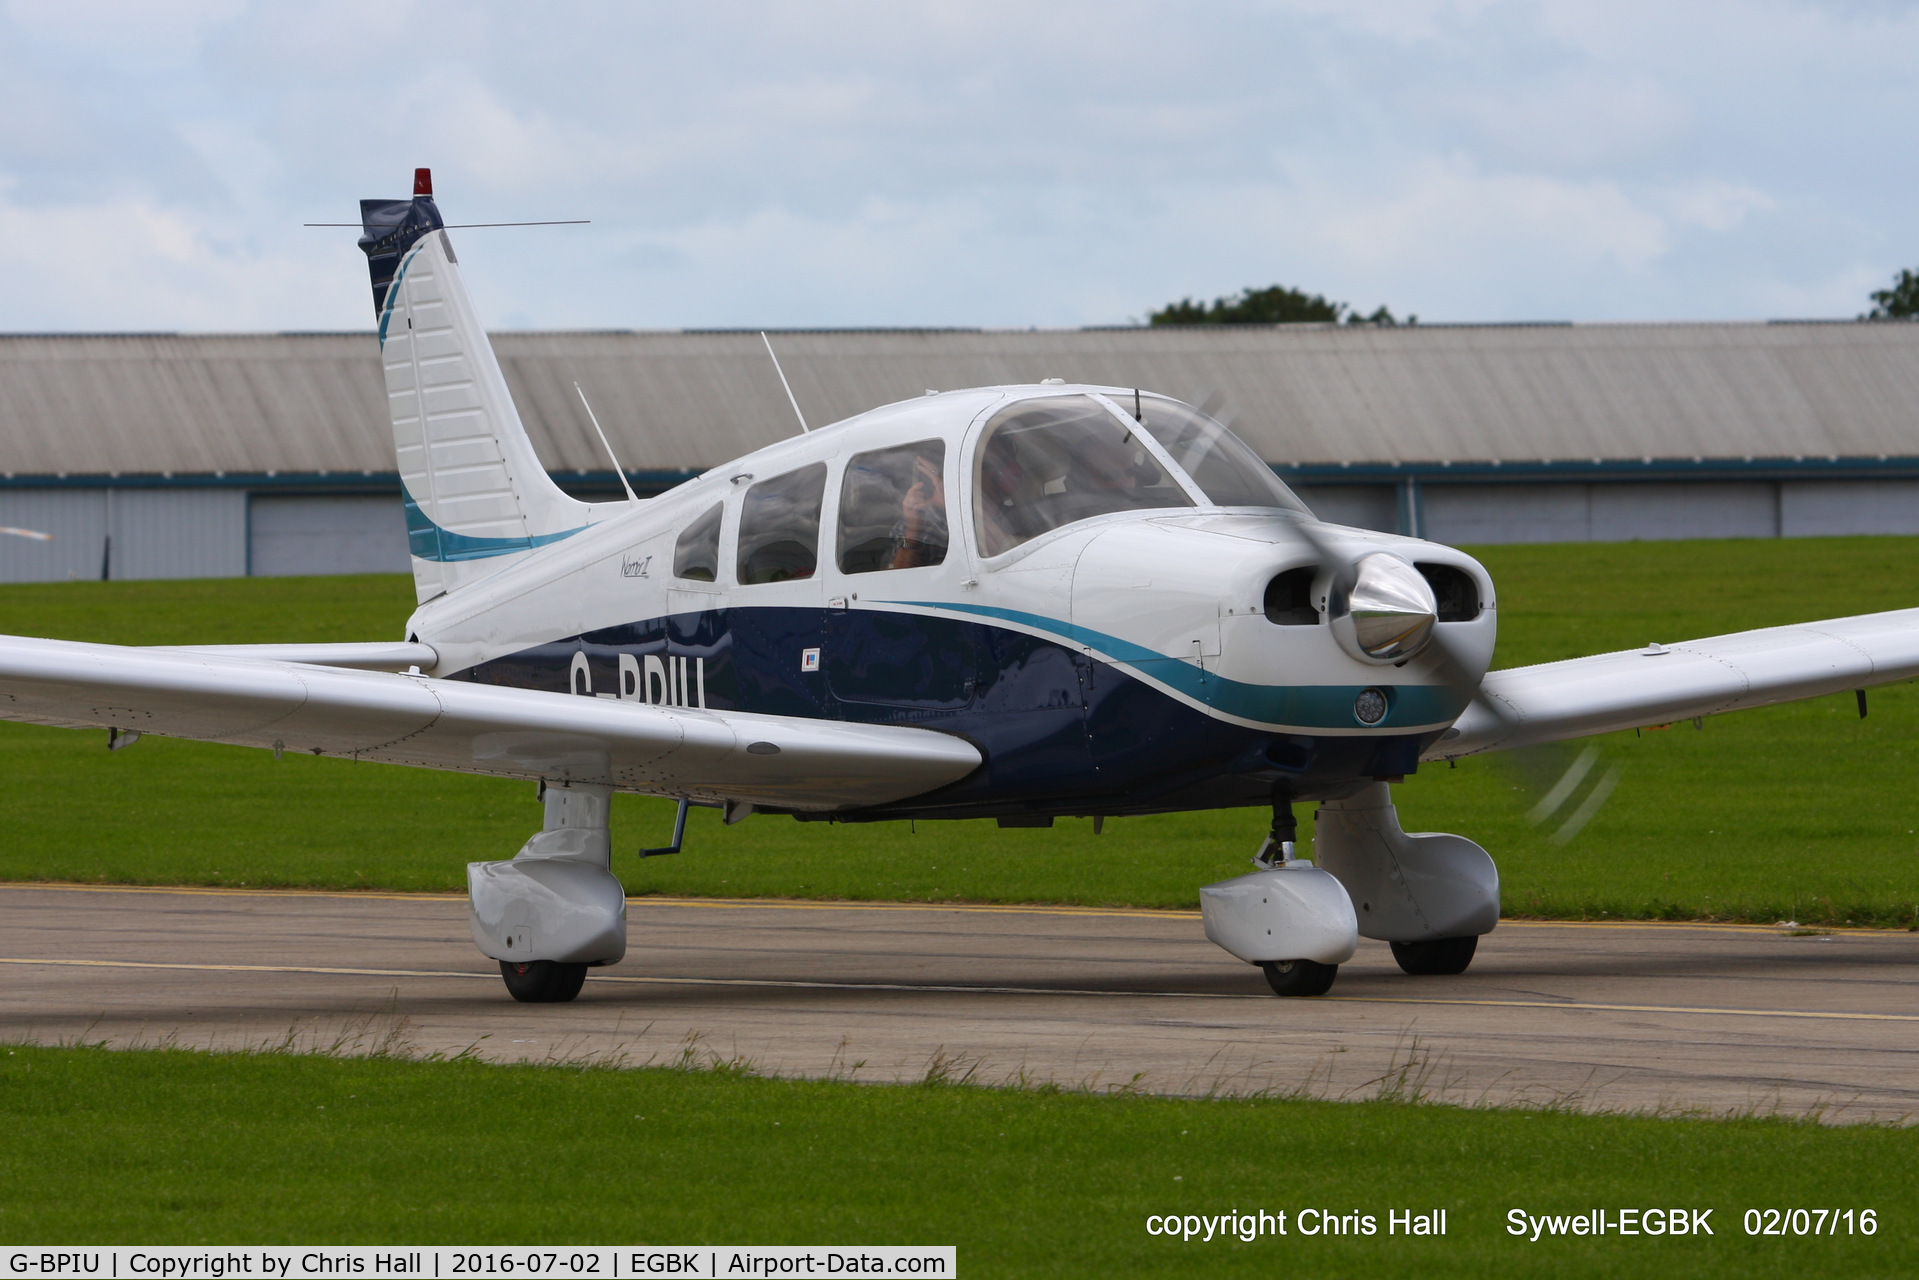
1631 1016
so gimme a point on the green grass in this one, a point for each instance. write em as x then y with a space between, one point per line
211 610
171 1147
1799 812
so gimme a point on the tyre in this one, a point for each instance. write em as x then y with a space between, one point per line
1299 977
1441 955
542 981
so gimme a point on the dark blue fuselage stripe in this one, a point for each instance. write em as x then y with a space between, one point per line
1061 732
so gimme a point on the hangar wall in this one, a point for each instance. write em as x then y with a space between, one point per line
196 532
295 534
1624 511
217 533
158 455
124 533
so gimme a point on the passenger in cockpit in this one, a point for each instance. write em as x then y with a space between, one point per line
920 536
893 508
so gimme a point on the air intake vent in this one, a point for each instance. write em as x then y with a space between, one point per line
1289 598
1454 590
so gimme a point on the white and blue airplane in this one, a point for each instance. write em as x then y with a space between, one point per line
1013 602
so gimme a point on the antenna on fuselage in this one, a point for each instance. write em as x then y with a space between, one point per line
608 446
790 397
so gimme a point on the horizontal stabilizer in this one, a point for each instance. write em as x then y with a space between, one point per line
771 761
1663 683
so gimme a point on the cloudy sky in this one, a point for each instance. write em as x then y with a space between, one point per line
958 163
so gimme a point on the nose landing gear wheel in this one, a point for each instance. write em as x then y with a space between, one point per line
542 981
1299 977
1441 955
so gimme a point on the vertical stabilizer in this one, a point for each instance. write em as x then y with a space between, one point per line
477 498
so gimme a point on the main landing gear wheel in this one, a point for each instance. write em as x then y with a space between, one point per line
1441 955
542 981
1299 977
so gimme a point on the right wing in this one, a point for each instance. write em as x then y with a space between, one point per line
1525 706
713 756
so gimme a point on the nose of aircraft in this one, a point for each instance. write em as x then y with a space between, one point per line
1390 611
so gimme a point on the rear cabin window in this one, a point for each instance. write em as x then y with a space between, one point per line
1046 463
893 508
696 556
780 527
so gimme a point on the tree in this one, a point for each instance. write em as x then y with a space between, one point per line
1901 302
1274 305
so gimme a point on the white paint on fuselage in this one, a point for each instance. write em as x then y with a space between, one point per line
1184 584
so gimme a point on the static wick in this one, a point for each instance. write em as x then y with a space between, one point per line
608 446
790 397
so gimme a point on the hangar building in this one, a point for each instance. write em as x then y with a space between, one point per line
180 455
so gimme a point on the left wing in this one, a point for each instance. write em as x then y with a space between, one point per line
1663 683
780 761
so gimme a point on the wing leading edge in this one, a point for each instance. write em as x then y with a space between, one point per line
448 724
1663 683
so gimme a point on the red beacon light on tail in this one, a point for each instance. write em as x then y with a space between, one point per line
422 182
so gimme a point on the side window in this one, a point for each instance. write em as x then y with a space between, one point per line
696 556
1046 463
780 526
893 508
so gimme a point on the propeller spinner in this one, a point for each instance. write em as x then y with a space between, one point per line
1381 609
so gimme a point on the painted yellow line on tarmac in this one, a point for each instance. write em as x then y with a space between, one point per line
982 908
246 968
1714 926
1838 1015
768 904
1174 913
220 891
961 989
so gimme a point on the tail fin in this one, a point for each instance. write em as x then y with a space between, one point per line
476 495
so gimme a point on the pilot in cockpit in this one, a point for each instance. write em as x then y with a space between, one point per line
1059 462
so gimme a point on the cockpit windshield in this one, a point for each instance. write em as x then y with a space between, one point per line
1224 466
1046 463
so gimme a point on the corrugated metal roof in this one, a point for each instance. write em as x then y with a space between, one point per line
680 401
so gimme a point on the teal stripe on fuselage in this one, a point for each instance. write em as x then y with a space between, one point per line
428 541
1305 706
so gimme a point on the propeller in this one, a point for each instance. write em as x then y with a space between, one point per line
1381 608
1382 611
1562 795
